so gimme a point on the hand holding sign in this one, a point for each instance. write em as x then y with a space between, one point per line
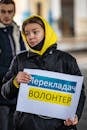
69 121
22 77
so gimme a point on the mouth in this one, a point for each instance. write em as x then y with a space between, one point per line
6 20
33 42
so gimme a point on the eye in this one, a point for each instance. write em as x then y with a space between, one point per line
3 11
10 11
7 11
36 32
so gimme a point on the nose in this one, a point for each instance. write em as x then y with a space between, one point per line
7 14
30 35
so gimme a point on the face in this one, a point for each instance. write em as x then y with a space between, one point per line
34 34
7 12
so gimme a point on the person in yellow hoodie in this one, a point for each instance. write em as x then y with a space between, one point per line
42 54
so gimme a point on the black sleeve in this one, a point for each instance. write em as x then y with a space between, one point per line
76 71
8 90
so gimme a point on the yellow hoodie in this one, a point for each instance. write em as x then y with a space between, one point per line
50 37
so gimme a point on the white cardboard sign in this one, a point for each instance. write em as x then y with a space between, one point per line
50 94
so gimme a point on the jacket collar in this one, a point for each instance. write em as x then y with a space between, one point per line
49 51
13 24
16 34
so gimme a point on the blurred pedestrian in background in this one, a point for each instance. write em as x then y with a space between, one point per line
43 55
11 43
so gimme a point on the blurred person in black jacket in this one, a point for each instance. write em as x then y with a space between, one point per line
11 43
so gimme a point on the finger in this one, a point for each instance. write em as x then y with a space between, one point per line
75 121
68 122
28 76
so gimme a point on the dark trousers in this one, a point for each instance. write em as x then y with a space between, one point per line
6 117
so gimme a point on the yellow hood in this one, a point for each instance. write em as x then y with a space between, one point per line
50 37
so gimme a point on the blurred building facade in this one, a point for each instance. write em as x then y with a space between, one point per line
68 17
